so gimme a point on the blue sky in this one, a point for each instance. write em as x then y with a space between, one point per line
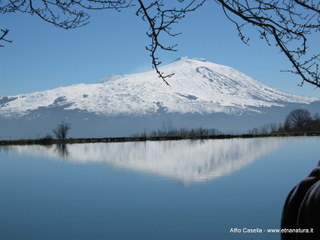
42 56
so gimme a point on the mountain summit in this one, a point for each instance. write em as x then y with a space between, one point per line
201 93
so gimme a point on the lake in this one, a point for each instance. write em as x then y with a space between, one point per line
190 189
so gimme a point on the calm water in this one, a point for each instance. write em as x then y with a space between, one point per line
154 190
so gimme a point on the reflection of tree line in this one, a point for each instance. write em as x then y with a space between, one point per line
187 161
62 150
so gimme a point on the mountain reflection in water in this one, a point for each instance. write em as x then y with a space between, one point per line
188 161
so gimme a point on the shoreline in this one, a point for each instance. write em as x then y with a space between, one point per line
51 141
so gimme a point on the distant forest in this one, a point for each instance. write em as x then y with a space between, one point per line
297 122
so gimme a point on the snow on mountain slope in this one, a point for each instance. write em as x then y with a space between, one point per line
198 86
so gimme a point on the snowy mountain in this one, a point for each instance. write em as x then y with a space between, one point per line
201 93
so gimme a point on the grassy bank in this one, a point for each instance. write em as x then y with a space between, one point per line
49 141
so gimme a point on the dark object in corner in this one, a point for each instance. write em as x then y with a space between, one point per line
302 209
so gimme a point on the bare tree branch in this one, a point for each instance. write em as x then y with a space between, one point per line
160 20
4 32
65 14
289 23
285 24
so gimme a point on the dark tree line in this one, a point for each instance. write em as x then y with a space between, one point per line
297 121
300 120
181 133
286 24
